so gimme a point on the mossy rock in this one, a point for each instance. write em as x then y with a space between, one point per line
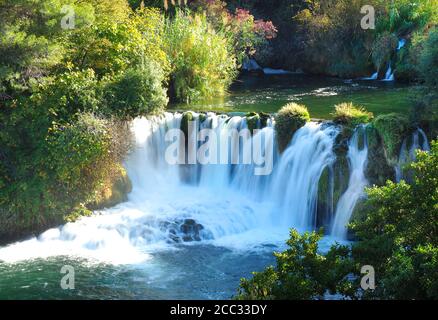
113 192
252 121
289 119
202 117
393 128
325 205
378 169
264 118
340 146
186 118
341 177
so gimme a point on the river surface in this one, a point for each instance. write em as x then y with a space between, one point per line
132 251
268 93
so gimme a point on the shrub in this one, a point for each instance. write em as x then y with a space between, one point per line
348 114
288 120
383 49
110 47
428 59
201 59
399 233
74 151
301 272
246 34
83 154
71 93
137 92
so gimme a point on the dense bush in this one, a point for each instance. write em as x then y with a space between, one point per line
301 272
111 47
428 59
201 58
246 34
399 234
288 120
137 92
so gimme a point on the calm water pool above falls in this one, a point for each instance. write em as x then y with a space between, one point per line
270 92
192 232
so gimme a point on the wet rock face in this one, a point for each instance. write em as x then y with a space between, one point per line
378 169
184 230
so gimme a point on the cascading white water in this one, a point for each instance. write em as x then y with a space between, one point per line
295 184
357 159
374 76
389 75
225 205
408 155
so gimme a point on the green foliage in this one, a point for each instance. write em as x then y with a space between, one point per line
393 128
246 34
70 93
110 47
74 148
301 272
404 16
288 120
202 62
383 49
137 92
350 115
399 235
428 59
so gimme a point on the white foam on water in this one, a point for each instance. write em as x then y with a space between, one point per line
225 205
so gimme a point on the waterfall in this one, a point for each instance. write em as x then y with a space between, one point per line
295 184
357 160
389 75
401 44
250 65
408 155
225 204
374 76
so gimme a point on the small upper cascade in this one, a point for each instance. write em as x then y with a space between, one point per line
419 141
374 76
389 74
357 160
251 65
401 44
